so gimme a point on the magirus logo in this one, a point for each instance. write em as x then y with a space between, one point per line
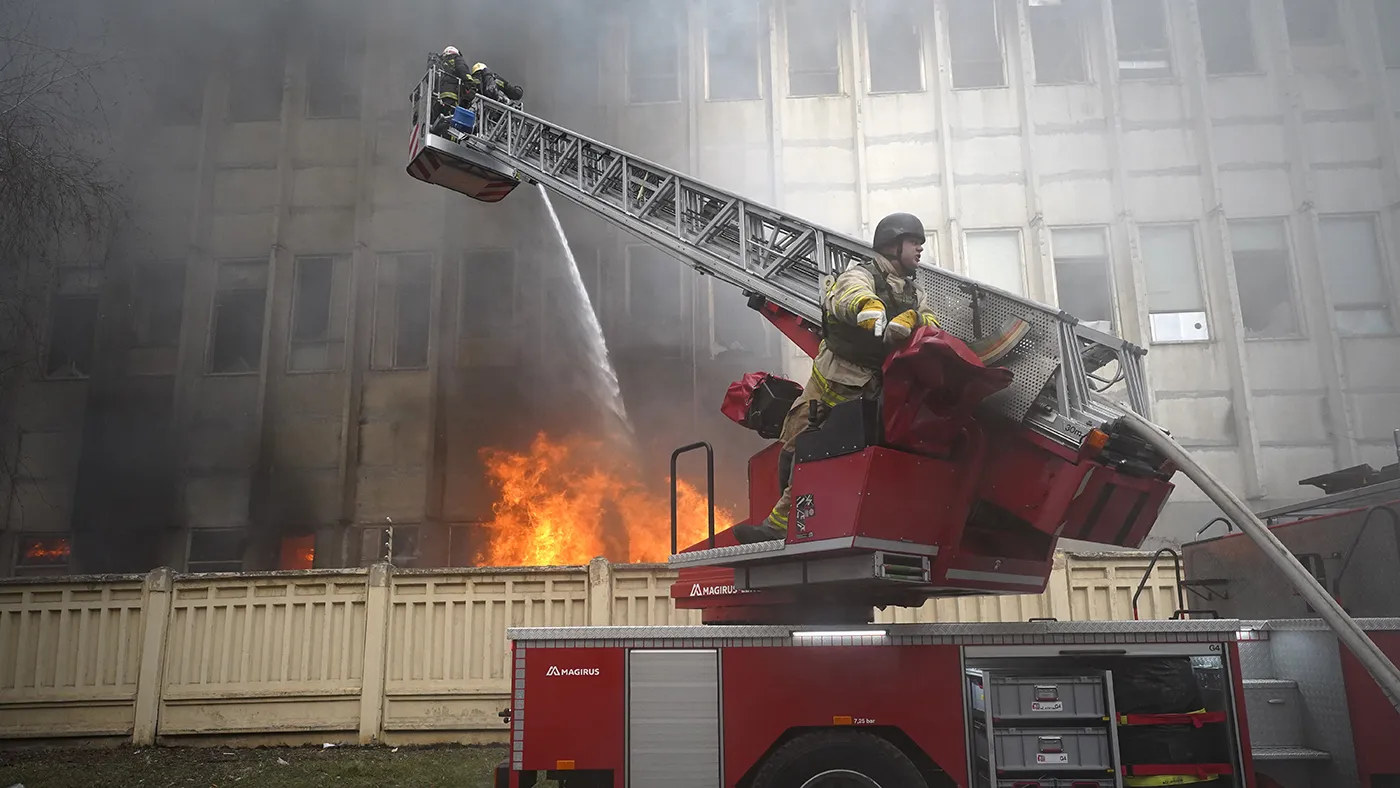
555 670
699 590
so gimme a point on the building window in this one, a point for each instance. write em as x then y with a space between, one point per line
814 32
655 300
1176 303
731 49
1311 22
397 544
1144 47
994 258
297 552
216 550
402 303
894 43
318 314
736 330
42 555
256 76
1264 278
974 39
1227 33
462 544
653 56
1388 22
334 62
240 301
158 304
1057 41
72 335
488 295
1083 275
1353 265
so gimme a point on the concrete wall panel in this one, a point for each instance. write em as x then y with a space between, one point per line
1197 421
326 186
1292 418
249 144
1348 190
307 443
327 141
245 190
394 493
1285 466
1068 105
982 110
216 501
1079 201
1165 197
1242 97
220 447
1371 363
1251 143
41 505
994 205
240 235
1186 367
987 156
1158 149
1377 414
1070 153
1254 193
322 231
1341 141
1151 103
1284 365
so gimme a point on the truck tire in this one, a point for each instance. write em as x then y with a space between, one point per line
828 759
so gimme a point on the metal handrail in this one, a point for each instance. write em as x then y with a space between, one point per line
709 487
1229 525
1147 575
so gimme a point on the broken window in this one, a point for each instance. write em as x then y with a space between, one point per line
318 314
403 301
1311 22
42 555
894 44
216 549
158 304
1144 47
974 37
653 55
1057 41
1227 33
1083 275
297 552
731 49
1353 265
814 31
240 301
1388 22
488 294
72 335
256 76
994 258
655 300
1264 278
396 544
333 65
462 544
1176 302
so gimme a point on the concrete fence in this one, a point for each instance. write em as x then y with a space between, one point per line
369 655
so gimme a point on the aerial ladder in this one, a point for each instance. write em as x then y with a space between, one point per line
959 481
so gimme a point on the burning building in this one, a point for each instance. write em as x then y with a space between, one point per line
296 353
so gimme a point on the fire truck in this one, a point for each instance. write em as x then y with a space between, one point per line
959 480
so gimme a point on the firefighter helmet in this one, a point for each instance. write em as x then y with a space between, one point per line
478 67
450 52
897 226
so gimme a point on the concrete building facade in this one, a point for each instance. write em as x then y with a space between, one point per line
303 345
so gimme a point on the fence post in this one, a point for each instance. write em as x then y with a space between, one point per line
156 594
600 592
377 605
1058 600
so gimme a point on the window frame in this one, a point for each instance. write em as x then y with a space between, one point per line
1022 261
392 365
1294 282
19 569
1383 272
212 326
1080 28
189 550
340 274
58 295
921 25
759 39
1106 232
1204 287
1334 36
1256 68
1170 34
352 40
998 29
842 32
677 57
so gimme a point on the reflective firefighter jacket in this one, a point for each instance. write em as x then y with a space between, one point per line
852 355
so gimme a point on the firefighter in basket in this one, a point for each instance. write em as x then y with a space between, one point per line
867 313
494 87
456 87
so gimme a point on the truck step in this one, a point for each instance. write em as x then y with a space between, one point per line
739 553
1270 684
1290 754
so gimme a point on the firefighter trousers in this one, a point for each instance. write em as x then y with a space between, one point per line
804 417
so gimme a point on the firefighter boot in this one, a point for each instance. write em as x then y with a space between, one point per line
996 347
751 534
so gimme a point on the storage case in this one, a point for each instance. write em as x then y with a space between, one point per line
1040 697
1051 748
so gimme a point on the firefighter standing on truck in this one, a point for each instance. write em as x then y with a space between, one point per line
859 334
494 87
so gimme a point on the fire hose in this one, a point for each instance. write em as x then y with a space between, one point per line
1347 630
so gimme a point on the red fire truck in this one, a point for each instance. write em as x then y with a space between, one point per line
959 480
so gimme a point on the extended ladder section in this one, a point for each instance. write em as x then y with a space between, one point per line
1067 375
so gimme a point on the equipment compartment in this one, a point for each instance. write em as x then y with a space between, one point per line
1052 748
1047 696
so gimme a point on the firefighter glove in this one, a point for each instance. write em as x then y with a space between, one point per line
872 316
902 326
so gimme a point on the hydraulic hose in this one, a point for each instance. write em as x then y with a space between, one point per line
1347 630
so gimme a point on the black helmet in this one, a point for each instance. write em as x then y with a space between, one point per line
896 226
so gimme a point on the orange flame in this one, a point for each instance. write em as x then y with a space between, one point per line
47 551
565 504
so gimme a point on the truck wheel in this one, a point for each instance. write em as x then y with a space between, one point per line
839 759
